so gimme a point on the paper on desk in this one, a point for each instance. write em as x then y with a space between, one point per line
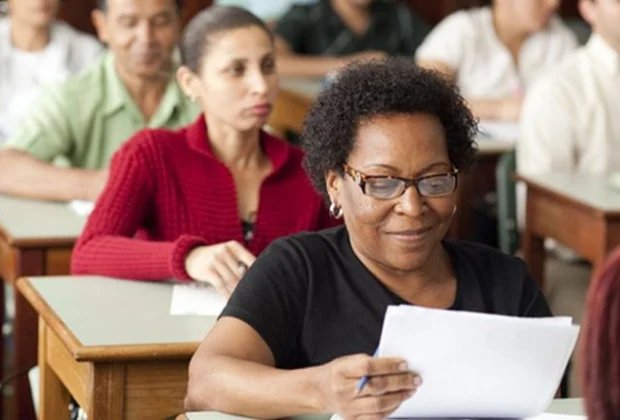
549 416
190 299
478 365
543 416
499 130
83 208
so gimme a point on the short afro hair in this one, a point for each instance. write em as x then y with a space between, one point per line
362 91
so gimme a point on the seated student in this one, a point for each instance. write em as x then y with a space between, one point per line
496 53
385 143
570 121
85 120
314 39
35 49
601 342
212 195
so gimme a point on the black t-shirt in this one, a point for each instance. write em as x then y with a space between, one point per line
312 300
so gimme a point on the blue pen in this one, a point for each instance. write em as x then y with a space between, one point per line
364 379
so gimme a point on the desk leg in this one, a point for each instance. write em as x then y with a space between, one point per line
108 396
54 397
30 263
534 255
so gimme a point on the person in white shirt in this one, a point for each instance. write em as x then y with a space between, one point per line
496 53
35 50
571 119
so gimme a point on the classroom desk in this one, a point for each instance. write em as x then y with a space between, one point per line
566 406
112 345
580 211
298 94
36 238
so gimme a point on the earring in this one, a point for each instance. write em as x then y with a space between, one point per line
334 211
454 210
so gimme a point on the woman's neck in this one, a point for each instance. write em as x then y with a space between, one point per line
29 38
509 34
236 149
421 286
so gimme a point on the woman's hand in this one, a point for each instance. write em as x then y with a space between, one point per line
221 265
389 384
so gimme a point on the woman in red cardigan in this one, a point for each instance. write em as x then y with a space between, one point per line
210 197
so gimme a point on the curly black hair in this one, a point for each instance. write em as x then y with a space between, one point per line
364 90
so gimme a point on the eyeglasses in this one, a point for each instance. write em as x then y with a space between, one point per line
386 187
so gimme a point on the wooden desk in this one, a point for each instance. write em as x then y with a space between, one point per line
566 406
112 345
581 212
297 96
36 238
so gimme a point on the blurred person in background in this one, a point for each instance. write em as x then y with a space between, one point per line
496 53
36 49
86 119
315 39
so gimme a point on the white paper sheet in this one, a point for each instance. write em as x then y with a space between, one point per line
478 365
549 416
543 416
499 130
83 208
190 299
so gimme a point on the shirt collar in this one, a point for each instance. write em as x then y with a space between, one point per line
117 97
277 150
604 53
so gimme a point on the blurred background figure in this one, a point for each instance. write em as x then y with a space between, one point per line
84 120
497 53
314 39
36 49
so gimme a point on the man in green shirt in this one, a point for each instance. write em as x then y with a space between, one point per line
85 120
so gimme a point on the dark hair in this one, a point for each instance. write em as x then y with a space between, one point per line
365 90
209 22
103 4
600 361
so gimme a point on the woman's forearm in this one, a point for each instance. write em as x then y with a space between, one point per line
251 389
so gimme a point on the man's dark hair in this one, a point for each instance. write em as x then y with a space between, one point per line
103 5
209 22
366 90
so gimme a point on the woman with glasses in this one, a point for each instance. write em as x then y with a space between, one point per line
385 144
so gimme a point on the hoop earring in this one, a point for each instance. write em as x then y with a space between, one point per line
334 211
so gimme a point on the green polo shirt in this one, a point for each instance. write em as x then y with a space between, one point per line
87 118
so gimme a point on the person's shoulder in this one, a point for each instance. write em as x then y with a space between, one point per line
70 34
301 10
489 258
150 144
558 30
312 246
468 19
89 79
563 81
